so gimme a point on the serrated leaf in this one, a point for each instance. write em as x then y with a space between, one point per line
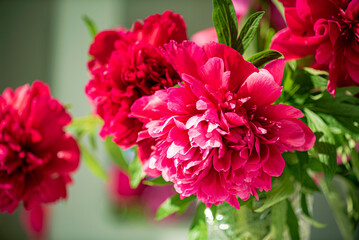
92 163
116 154
91 26
292 222
225 22
325 146
261 58
159 181
198 229
135 172
248 32
173 205
282 188
278 220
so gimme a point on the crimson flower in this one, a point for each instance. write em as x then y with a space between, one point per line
218 136
36 155
127 65
328 29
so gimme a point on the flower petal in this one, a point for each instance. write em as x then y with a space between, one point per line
233 61
262 88
186 57
275 163
276 68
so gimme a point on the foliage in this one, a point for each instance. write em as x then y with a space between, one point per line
334 120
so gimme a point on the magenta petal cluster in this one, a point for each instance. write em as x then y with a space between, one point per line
127 65
327 29
37 157
217 135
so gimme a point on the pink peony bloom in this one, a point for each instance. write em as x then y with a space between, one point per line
36 155
35 222
327 29
217 135
127 65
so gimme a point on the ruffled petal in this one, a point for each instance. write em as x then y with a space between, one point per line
186 57
233 61
275 163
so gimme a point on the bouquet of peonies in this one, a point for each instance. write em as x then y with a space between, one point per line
247 130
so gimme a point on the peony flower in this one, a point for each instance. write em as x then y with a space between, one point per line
217 135
127 65
327 29
36 155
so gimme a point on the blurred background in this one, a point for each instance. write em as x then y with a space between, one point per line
48 40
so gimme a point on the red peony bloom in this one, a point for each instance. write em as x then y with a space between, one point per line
217 135
36 155
128 65
327 29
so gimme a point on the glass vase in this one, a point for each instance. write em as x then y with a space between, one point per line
227 223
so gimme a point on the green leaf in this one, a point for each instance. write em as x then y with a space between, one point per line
92 164
82 125
261 58
292 222
354 159
173 205
297 164
344 104
198 229
91 26
325 146
278 220
159 181
116 154
337 204
135 172
248 32
282 188
341 125
225 22
352 200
